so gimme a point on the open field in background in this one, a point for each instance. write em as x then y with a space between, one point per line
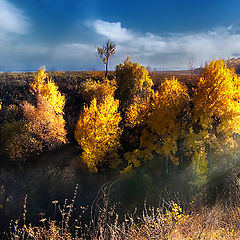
71 76
14 87
69 81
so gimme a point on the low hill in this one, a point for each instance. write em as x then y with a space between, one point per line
234 63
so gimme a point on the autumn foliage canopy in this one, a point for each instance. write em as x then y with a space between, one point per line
42 126
98 131
125 122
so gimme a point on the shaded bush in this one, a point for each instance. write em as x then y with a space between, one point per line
132 80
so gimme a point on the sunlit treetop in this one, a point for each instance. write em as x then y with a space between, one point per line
162 126
91 89
168 102
138 112
39 80
98 133
216 99
167 105
132 80
215 115
45 86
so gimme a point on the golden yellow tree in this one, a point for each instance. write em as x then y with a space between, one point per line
215 114
97 89
44 86
163 125
138 111
98 134
47 125
42 126
165 122
132 81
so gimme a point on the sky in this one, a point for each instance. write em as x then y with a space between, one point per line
166 35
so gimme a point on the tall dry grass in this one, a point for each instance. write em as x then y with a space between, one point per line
172 220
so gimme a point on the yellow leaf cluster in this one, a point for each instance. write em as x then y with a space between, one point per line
132 80
215 114
38 80
216 109
167 105
43 85
138 111
98 133
159 119
45 123
216 99
97 89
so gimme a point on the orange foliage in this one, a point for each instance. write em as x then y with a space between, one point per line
45 123
43 126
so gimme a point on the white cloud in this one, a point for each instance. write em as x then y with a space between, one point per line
112 30
168 51
12 19
171 51
74 55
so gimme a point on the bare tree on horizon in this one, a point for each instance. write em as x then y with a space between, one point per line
105 52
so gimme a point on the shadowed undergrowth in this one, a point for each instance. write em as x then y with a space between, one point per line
175 218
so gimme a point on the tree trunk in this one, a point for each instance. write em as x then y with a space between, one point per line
208 148
181 151
165 169
106 71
